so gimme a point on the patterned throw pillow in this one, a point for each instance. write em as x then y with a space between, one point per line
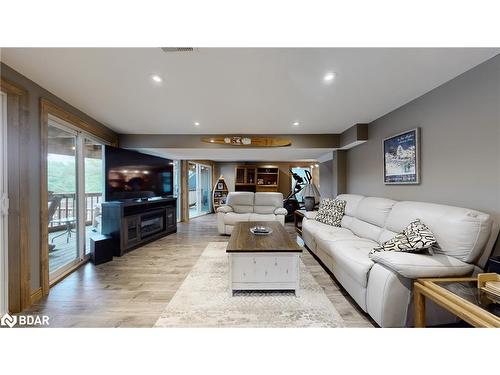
414 238
331 211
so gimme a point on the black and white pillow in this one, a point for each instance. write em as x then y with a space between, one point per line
414 238
331 211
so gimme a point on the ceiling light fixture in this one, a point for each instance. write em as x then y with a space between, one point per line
196 123
156 78
296 123
329 77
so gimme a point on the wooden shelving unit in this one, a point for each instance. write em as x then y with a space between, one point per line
219 196
259 178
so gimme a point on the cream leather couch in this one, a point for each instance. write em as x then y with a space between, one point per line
381 283
247 206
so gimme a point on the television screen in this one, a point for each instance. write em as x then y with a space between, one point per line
132 175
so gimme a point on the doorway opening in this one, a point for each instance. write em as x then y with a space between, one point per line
199 187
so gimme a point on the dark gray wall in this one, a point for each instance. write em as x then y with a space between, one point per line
35 93
326 179
460 144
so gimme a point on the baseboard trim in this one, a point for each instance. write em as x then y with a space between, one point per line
36 295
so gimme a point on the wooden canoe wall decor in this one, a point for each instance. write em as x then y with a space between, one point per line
248 141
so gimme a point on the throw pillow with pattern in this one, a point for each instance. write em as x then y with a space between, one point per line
414 238
331 211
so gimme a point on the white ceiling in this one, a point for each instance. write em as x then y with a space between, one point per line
234 90
233 154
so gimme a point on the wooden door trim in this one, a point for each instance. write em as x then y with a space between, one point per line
19 269
48 107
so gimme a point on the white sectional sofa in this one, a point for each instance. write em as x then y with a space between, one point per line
248 206
381 283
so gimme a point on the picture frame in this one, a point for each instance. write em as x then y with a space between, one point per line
402 158
220 186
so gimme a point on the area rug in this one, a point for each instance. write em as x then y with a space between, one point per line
203 300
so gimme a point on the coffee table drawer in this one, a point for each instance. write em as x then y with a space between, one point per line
264 268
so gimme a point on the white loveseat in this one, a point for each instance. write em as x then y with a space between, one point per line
248 206
381 283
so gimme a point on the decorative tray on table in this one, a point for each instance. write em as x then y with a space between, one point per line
261 231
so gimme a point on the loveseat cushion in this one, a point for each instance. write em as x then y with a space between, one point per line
231 218
351 256
414 265
266 203
262 217
280 211
241 201
224 209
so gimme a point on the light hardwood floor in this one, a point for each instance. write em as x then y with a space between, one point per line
133 290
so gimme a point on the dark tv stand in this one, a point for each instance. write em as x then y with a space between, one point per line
134 223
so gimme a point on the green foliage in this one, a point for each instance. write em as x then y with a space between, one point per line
61 174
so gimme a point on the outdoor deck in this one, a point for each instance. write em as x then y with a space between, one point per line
65 251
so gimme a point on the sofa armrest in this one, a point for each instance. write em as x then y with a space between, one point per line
414 266
311 215
225 209
280 211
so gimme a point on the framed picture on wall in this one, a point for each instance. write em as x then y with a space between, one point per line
402 158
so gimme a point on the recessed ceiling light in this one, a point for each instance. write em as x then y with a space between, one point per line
330 76
156 78
316 165
196 123
296 123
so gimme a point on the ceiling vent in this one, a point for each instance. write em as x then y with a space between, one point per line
178 49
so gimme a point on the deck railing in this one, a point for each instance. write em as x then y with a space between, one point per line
67 209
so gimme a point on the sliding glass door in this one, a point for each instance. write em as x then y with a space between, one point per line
4 204
94 186
200 188
62 192
74 187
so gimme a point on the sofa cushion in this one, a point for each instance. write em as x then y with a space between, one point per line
365 230
241 201
262 217
414 238
352 257
386 235
460 232
231 218
374 210
324 238
266 203
331 211
352 201
414 265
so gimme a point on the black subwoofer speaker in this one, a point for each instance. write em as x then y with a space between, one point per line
101 249
493 265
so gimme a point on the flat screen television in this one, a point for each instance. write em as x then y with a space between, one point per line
134 175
